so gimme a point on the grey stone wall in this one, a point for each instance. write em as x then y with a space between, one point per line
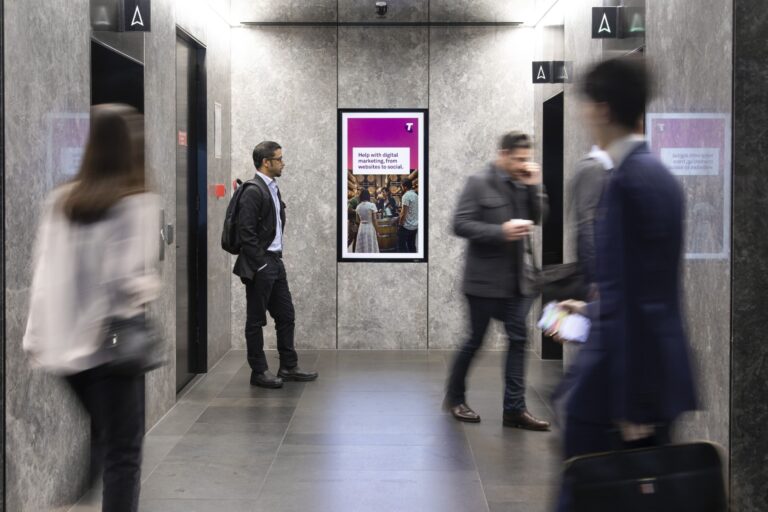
45 431
749 410
476 84
284 85
693 70
47 69
480 87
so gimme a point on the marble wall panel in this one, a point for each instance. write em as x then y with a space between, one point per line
383 67
685 85
284 85
480 87
2 275
481 11
260 11
398 11
749 411
382 305
160 131
219 71
45 431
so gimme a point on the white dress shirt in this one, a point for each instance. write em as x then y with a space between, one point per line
277 243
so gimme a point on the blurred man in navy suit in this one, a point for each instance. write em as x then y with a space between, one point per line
633 377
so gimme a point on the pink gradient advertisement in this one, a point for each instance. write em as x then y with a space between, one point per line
697 149
382 185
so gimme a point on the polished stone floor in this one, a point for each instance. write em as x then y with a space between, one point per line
368 436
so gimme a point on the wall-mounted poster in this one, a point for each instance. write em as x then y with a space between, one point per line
382 208
697 149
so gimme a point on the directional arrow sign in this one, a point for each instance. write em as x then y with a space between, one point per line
605 23
541 72
137 15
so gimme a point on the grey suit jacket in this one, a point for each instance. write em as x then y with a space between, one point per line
586 189
495 267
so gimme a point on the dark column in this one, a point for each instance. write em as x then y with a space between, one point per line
749 359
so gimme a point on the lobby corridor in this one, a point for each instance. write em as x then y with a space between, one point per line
368 436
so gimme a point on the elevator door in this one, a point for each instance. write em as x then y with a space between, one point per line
552 239
191 226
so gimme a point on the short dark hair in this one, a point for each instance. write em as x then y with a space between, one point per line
624 84
365 195
407 183
265 149
515 140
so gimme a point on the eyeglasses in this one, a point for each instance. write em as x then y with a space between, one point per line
279 159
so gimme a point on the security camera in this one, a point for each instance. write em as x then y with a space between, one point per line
381 8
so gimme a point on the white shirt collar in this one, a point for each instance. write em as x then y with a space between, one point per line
601 156
266 178
620 149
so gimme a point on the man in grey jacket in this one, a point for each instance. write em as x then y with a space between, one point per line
585 191
495 214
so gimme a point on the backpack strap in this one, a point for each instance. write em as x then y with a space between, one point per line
265 202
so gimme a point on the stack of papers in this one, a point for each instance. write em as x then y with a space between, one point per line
570 327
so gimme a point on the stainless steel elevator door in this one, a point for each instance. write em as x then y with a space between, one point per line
183 161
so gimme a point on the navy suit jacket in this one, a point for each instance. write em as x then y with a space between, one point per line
636 365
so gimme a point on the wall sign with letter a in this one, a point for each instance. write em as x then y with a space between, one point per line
605 22
541 72
137 16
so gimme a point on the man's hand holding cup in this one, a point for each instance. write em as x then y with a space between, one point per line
516 229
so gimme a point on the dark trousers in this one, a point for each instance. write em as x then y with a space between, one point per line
116 407
513 312
268 291
406 239
582 437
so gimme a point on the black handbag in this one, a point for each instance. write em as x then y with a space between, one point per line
562 282
670 478
555 282
132 346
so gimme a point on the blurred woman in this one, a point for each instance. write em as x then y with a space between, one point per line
388 206
95 257
366 235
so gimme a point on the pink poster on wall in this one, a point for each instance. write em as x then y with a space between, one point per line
697 149
382 185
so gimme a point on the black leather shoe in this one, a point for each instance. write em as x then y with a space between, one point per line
296 374
524 420
462 412
266 380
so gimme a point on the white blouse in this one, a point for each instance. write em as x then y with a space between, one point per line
85 274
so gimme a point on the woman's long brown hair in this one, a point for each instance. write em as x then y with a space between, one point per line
113 164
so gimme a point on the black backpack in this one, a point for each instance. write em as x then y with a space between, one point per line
230 241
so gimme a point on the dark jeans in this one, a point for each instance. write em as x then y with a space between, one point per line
406 239
268 291
513 312
582 437
116 407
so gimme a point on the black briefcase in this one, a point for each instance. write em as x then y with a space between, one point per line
674 477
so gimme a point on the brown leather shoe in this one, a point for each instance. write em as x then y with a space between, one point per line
462 412
525 420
